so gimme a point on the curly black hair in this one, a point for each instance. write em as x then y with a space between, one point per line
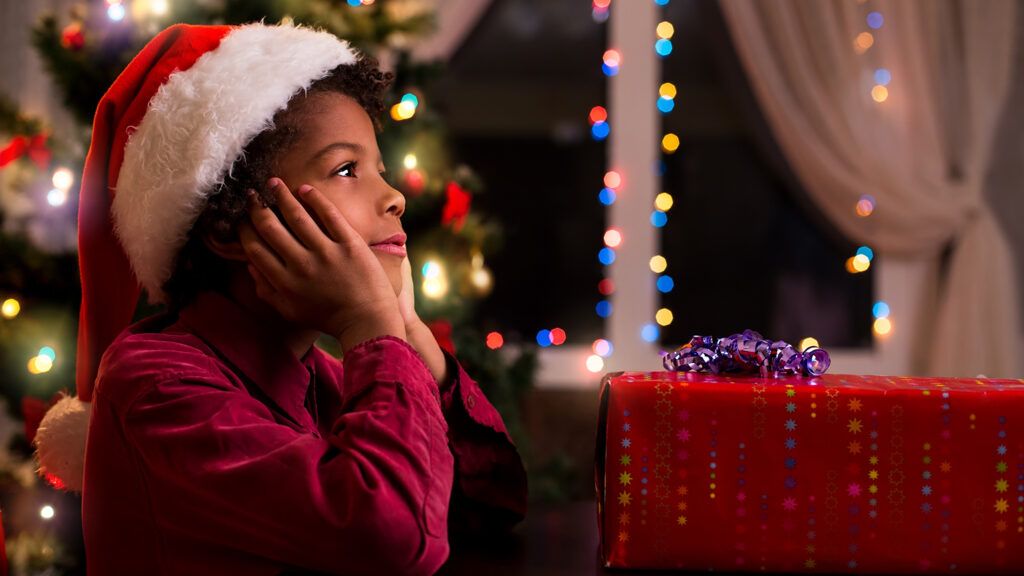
197 268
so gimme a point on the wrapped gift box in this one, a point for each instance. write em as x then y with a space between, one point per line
794 474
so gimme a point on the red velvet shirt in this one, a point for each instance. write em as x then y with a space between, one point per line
214 451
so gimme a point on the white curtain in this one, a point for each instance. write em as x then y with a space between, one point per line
923 153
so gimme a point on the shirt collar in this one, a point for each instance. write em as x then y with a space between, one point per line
259 354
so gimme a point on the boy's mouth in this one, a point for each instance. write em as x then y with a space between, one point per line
394 245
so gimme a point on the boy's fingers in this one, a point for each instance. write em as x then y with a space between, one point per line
259 253
273 232
298 218
337 226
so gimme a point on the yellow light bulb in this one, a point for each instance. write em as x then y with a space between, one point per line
663 201
670 143
664 317
665 30
10 308
667 90
882 327
658 264
409 161
880 93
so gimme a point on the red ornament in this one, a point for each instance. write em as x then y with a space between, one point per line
34 147
414 182
72 37
457 206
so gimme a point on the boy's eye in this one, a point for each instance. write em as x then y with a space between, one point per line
347 170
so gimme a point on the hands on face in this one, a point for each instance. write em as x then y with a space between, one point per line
327 279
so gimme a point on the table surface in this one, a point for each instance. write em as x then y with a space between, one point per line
557 540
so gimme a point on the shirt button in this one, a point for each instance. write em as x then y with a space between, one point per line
470 401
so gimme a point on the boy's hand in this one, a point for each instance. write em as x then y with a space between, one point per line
328 281
407 298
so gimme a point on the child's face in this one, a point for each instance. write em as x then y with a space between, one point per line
337 153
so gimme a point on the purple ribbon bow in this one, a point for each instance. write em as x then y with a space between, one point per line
746 352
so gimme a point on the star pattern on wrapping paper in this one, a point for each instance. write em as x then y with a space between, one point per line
926 490
790 407
625 460
873 460
1001 526
623 536
945 466
1002 485
810 548
873 474
853 447
1001 467
810 564
853 489
683 435
626 443
790 443
625 478
624 518
626 427
1001 506
682 506
855 426
790 393
683 491
625 498
854 405
681 520
1001 450
790 425
789 503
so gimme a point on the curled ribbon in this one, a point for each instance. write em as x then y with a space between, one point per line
746 352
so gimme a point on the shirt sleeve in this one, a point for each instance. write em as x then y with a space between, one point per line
371 497
490 489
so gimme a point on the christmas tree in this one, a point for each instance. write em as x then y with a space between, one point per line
84 51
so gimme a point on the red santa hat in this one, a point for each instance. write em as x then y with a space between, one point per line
165 135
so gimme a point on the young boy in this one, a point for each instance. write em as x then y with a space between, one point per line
221 440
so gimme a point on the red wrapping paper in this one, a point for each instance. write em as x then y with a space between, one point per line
839 473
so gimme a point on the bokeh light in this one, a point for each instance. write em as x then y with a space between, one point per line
808 342
495 340
650 332
606 287
595 363
865 206
875 20
613 180
658 219
882 327
663 317
63 178
10 308
603 308
880 309
557 336
658 264
883 76
670 143
665 29
663 47
879 93
667 90
606 256
863 41
606 196
613 238
663 201
544 338
602 348
666 105
665 284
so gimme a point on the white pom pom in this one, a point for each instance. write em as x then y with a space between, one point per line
60 443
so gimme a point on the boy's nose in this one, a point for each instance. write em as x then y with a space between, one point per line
394 202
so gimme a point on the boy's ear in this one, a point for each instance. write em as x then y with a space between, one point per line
229 250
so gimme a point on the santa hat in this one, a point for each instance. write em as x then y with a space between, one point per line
165 135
